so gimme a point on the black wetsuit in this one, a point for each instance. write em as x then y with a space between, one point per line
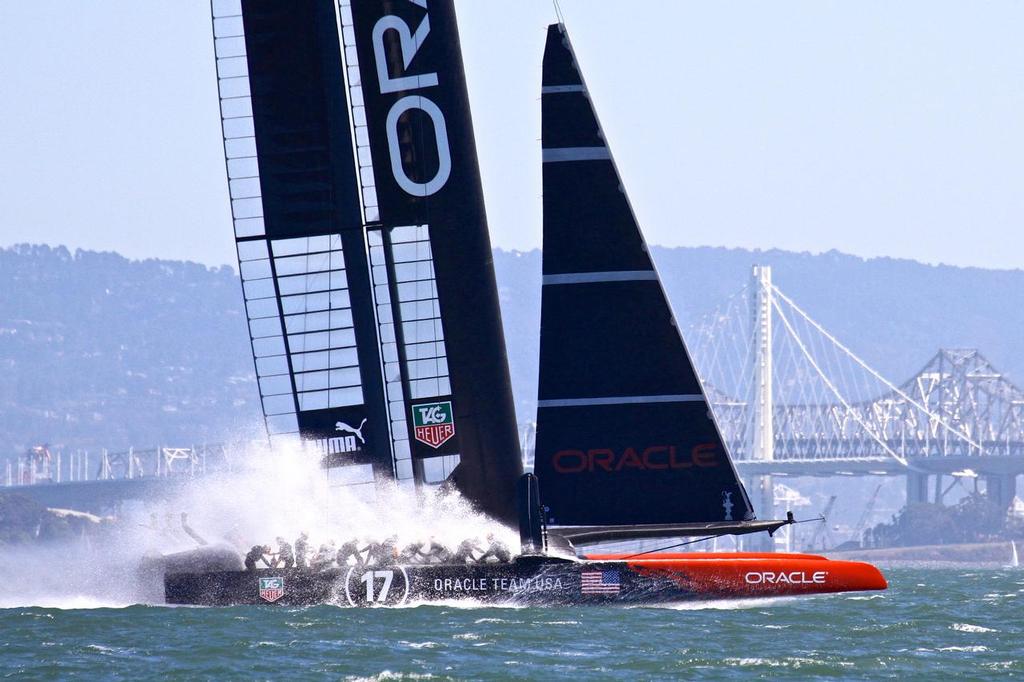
255 554
385 553
499 550
350 550
465 552
301 552
435 552
285 556
411 554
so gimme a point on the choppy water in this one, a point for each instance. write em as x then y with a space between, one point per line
931 623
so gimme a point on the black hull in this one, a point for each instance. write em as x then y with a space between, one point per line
543 582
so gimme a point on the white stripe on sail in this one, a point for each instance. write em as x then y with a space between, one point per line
559 154
551 89
610 276
623 400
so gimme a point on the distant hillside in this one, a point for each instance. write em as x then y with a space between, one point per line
100 351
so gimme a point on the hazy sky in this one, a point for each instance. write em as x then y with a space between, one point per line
875 128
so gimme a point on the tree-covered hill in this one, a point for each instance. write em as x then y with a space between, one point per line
100 351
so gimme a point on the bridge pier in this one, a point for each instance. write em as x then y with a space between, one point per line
1001 488
917 487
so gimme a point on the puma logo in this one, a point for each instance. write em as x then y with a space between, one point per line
358 433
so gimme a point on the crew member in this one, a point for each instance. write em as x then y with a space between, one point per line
285 555
466 551
385 553
350 550
497 550
434 552
302 550
323 559
411 553
257 553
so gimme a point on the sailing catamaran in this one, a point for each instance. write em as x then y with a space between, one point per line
377 336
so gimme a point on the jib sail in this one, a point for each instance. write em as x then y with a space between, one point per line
362 239
625 435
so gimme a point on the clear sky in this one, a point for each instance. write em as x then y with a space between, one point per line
872 127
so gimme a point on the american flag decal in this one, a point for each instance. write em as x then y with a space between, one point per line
599 582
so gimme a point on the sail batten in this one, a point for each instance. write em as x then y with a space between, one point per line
625 435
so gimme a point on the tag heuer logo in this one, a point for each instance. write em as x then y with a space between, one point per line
271 589
433 423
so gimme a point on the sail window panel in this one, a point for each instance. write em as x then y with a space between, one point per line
384 312
369 197
312 381
340 300
366 176
233 87
247 208
374 238
228 27
402 449
389 352
285 441
387 333
242 148
363 153
425 369
422 330
372 214
254 269
314 400
230 67
246 188
252 250
306 245
305 303
424 388
342 338
227 8
411 251
423 351
238 127
410 233
420 310
320 262
278 404
417 291
408 272
344 357
341 319
345 378
303 343
307 323
284 423
392 373
308 362
380 273
396 408
377 255
229 47
403 468
246 167
350 475
237 107
275 385
304 284
272 366
346 15
394 391
400 426
382 294
444 386
249 227
258 289
262 348
264 327
340 397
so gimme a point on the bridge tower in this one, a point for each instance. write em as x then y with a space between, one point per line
763 432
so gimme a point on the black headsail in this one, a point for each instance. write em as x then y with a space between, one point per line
430 249
625 436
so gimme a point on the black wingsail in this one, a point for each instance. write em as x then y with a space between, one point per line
362 241
299 230
625 436
430 249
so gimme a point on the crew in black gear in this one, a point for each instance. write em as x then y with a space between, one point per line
466 552
257 553
285 555
302 551
385 553
351 550
496 549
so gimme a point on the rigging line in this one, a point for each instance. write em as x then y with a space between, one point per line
831 387
875 374
558 12
710 537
